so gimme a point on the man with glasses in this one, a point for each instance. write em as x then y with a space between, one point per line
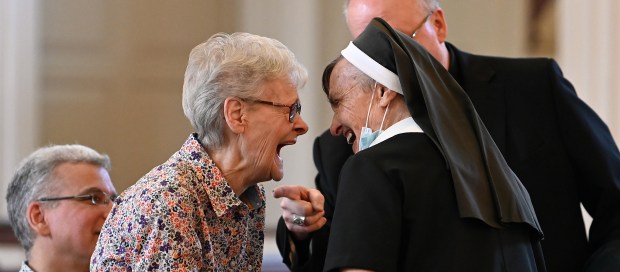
57 201
560 149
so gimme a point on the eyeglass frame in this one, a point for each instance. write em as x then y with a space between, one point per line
415 31
294 109
92 197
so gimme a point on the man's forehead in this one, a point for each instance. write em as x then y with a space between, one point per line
400 14
77 174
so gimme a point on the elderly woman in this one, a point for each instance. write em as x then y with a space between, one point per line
203 209
57 200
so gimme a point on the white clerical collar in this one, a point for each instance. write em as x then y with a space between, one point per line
407 125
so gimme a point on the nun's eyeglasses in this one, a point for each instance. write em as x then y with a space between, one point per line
294 109
415 31
95 198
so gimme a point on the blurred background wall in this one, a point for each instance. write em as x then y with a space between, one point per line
109 73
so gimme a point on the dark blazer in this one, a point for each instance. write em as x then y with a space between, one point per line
560 149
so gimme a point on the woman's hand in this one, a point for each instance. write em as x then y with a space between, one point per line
302 209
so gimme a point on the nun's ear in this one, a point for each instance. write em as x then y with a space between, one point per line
379 89
387 96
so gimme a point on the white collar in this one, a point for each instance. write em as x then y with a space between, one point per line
407 125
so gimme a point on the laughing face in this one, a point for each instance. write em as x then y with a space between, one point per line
350 101
270 129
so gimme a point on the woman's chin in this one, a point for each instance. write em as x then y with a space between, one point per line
277 170
277 174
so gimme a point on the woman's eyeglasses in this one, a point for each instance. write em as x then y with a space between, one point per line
96 198
294 109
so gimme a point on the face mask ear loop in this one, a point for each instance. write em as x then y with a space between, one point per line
384 114
370 105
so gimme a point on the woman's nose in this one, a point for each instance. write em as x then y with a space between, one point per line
299 125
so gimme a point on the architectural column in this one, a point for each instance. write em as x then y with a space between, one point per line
588 52
18 87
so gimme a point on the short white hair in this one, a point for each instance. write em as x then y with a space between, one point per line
232 65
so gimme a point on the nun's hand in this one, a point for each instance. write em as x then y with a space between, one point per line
302 209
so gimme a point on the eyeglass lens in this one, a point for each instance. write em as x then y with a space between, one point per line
294 110
100 198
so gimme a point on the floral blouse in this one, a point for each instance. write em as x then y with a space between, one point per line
25 267
183 216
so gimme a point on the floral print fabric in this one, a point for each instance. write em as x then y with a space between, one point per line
183 216
25 267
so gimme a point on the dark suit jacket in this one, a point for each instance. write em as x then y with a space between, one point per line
560 149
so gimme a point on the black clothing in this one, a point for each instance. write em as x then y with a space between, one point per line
398 209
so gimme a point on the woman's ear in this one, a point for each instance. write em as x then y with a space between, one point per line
35 213
234 113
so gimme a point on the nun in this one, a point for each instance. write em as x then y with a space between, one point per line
427 188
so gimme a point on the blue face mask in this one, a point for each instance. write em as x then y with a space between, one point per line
367 136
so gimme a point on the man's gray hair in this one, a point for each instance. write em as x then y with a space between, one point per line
34 179
232 65
430 5
427 5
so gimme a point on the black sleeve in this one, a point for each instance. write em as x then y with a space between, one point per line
302 248
329 154
596 157
606 258
366 228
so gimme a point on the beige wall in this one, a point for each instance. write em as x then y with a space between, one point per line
488 27
112 73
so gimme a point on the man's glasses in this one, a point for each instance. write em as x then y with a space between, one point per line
415 31
294 109
96 198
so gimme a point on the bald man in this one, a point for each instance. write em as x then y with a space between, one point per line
561 150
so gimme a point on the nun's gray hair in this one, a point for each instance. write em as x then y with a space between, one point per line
232 65
364 81
34 179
